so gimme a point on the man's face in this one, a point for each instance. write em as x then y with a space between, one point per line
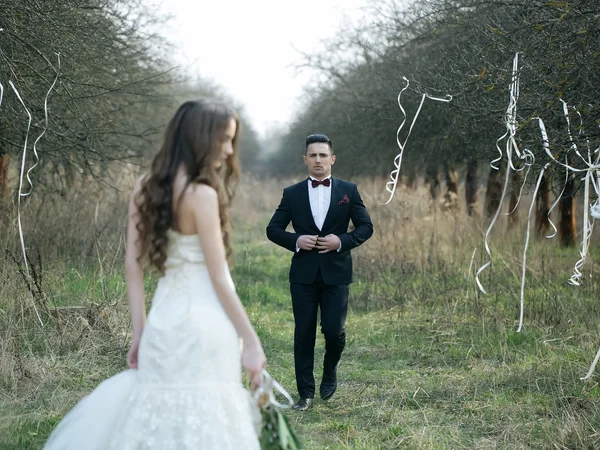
318 159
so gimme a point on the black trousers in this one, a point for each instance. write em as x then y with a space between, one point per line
306 299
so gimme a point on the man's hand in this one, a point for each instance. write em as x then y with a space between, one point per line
328 243
307 242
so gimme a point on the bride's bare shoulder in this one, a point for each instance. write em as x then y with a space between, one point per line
198 194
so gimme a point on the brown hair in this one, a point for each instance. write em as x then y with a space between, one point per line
193 140
314 138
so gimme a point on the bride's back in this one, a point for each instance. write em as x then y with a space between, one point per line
198 155
183 206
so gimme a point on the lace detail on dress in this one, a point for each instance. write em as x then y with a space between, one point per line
205 417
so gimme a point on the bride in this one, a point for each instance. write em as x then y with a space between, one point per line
183 389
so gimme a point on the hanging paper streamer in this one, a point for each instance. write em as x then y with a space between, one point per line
511 147
592 367
24 174
557 201
588 224
524 262
391 185
594 211
511 116
527 157
590 178
590 175
45 127
527 166
23 161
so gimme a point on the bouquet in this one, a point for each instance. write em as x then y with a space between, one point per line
273 428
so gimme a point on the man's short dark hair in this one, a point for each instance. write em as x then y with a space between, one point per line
314 138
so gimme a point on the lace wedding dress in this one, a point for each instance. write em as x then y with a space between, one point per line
187 391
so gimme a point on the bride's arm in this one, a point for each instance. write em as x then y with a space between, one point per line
134 270
204 201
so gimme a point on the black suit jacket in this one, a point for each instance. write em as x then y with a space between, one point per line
346 204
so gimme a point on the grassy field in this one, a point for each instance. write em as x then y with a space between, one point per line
430 362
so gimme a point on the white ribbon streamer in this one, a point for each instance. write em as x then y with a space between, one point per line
592 367
591 169
595 214
20 192
549 153
511 146
265 391
391 185
27 174
23 161
573 144
511 114
546 146
557 201
489 230
528 164
524 263
591 178
43 131
588 225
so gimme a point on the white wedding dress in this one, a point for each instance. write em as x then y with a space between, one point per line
187 392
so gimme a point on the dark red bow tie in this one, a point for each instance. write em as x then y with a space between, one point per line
326 182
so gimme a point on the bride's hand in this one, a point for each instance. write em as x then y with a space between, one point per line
132 354
254 361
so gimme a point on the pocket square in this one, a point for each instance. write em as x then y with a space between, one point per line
344 200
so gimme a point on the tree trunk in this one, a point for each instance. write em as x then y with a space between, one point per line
515 187
542 207
411 181
493 192
471 182
566 230
3 176
432 178
451 196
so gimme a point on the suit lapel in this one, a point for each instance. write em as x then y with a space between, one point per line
333 204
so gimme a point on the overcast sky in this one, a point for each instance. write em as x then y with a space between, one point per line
247 46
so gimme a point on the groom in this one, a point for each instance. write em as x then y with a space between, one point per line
320 209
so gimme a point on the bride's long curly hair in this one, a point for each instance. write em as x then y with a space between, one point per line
193 140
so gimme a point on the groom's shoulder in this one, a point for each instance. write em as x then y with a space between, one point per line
347 184
298 185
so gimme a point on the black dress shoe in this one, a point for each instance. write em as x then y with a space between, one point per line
327 391
328 385
303 404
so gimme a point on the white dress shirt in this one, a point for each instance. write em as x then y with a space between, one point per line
320 199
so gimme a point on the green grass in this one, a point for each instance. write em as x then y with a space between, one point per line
27 433
429 362
431 373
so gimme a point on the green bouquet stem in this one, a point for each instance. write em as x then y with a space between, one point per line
277 434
